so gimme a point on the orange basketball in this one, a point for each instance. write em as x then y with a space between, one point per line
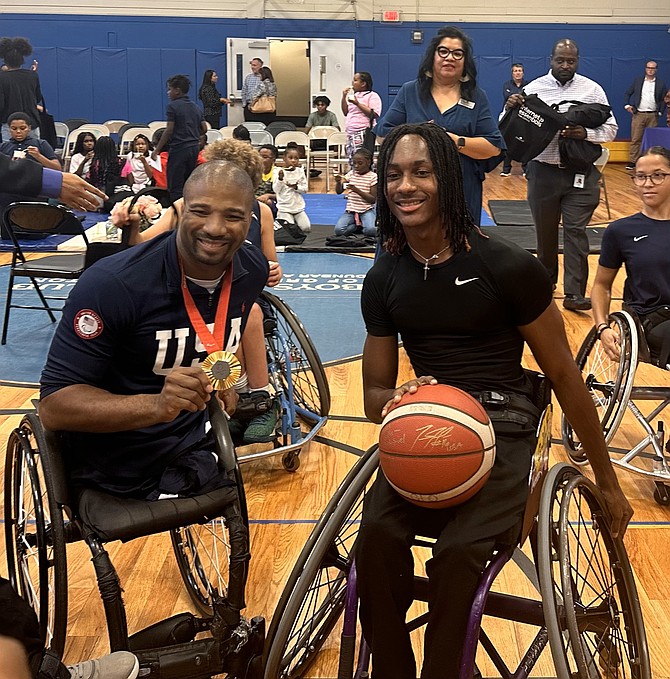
437 446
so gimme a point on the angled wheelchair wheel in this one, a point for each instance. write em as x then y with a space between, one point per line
34 531
609 382
203 556
313 598
295 364
592 611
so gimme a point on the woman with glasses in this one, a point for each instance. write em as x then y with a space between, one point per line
446 93
641 243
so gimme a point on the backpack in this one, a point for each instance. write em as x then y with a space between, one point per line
528 129
287 233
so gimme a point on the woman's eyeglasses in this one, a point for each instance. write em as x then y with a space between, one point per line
656 178
444 52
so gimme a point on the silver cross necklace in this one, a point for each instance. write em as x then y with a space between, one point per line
427 260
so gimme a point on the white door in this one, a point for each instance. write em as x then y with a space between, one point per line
240 51
331 70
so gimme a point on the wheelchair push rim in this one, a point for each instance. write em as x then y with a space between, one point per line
609 382
34 533
590 601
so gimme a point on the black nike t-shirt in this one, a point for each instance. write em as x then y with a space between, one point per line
461 323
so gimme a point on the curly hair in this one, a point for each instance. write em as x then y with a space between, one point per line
425 75
239 153
14 51
457 223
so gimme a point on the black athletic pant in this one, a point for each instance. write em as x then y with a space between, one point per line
181 162
552 195
466 538
214 121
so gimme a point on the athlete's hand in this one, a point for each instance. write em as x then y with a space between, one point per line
184 389
619 509
407 388
611 343
229 399
275 274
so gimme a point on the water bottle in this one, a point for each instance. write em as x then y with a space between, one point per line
111 230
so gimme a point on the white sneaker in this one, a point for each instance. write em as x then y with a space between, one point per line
119 665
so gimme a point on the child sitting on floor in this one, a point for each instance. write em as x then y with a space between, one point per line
289 183
361 182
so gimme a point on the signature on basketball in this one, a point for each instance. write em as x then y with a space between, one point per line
431 435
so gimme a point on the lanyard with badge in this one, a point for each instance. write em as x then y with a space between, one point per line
222 367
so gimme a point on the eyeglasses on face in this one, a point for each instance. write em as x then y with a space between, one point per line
656 178
444 52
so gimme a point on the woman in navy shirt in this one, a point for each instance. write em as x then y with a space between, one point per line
446 93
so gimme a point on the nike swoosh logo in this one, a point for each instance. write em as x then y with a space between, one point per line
637 238
458 281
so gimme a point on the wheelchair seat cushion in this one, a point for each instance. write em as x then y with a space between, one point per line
119 518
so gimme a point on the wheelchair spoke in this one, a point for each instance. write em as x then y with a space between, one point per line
203 557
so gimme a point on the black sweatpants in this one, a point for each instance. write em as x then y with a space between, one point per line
181 162
466 538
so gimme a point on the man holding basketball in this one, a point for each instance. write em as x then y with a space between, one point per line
464 305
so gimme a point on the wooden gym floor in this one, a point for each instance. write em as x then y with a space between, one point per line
282 506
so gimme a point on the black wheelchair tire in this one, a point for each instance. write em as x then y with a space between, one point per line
332 533
570 597
609 383
27 467
316 401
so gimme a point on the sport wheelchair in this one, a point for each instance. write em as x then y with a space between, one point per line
210 539
611 386
299 381
588 613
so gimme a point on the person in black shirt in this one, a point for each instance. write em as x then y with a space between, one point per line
185 124
463 305
513 86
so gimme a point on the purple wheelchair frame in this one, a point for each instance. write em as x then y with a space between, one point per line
495 604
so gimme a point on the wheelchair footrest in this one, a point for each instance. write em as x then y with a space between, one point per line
179 629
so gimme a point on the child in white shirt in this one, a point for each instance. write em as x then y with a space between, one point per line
139 167
289 183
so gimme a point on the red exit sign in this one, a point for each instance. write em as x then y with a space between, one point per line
390 15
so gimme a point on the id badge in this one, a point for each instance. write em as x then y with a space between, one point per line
578 183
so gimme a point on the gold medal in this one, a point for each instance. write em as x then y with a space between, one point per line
223 369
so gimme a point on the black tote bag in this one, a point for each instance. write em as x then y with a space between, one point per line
528 129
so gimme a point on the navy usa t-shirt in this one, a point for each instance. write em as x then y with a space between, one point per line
125 327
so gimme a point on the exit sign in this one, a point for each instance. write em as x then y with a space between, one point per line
390 15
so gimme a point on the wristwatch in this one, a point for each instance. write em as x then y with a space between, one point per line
460 143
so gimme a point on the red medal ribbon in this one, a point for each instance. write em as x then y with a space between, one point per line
212 341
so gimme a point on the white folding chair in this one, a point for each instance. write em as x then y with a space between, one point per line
337 159
115 125
227 131
128 136
282 140
260 137
213 135
156 125
600 164
320 132
253 125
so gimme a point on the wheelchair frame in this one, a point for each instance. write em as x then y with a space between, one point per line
298 377
611 386
591 620
40 519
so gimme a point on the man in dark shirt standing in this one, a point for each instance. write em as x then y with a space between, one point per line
513 86
185 124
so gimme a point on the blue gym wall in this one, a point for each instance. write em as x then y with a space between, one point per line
115 67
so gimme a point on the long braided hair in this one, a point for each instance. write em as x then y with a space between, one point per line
457 223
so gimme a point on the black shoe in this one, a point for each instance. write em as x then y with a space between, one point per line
630 166
576 303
